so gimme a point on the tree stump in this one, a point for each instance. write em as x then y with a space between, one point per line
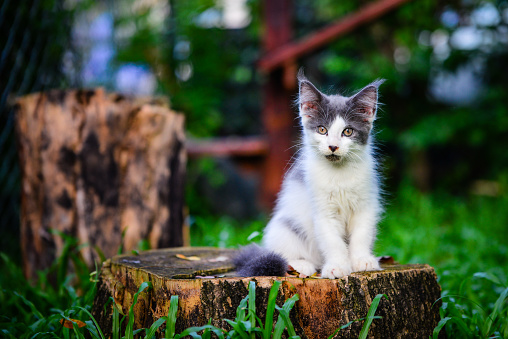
95 165
410 311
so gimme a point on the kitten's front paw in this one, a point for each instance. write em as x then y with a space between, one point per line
332 271
361 264
303 266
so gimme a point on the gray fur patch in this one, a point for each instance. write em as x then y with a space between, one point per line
294 227
296 172
298 175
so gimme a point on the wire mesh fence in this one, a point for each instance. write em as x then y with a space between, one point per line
34 37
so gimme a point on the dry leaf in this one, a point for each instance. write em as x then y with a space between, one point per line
292 273
191 258
69 323
316 276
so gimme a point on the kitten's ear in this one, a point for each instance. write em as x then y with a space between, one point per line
365 101
309 98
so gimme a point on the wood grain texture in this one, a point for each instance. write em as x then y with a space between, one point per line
94 165
324 305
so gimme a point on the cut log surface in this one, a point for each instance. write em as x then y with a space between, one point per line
95 165
208 288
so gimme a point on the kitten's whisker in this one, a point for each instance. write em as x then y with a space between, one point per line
360 158
296 145
291 163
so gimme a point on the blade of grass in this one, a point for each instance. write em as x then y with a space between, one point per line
252 307
270 308
129 330
171 323
32 307
370 315
94 321
487 276
246 326
239 331
349 324
284 313
341 328
155 326
466 332
139 330
240 310
498 307
77 332
440 325
116 321
461 297
260 323
279 328
192 331
91 328
219 332
458 317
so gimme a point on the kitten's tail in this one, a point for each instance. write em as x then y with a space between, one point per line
255 261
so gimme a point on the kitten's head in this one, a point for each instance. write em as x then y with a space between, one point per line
336 127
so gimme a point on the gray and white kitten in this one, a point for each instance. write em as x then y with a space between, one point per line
329 205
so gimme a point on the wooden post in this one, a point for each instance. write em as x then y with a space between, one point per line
278 117
209 289
96 165
296 49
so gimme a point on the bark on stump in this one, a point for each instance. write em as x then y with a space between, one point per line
324 305
94 165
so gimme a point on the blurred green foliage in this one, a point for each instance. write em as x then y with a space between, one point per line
208 72
426 119
415 47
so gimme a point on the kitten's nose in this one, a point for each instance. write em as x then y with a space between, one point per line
333 148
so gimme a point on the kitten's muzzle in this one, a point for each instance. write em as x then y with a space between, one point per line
333 157
333 148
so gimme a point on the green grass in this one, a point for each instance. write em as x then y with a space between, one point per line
465 239
36 310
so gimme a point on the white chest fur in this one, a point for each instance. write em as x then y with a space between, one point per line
342 189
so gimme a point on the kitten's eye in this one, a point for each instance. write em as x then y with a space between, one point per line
347 132
322 130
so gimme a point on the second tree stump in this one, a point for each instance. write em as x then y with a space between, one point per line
95 166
